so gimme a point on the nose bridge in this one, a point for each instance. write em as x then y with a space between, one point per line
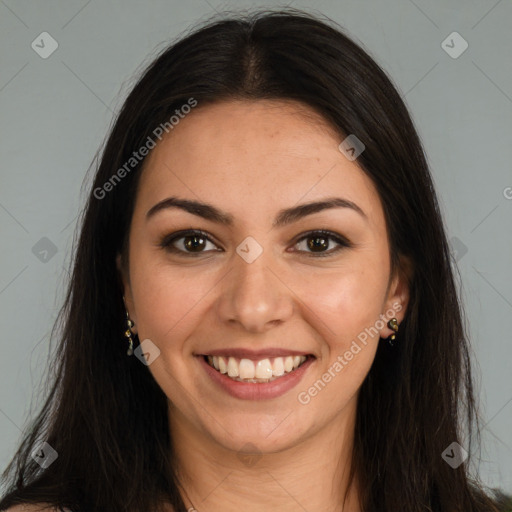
253 295
252 278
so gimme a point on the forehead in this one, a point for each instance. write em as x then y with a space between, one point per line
255 156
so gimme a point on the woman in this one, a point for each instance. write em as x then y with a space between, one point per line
262 313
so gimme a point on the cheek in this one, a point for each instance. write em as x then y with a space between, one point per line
169 306
168 301
344 314
344 304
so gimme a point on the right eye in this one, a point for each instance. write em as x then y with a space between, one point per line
191 241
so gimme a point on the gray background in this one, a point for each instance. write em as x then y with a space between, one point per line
55 112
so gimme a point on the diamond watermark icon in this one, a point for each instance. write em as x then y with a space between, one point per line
454 455
44 250
454 45
351 147
459 249
249 249
44 455
44 45
147 352
249 454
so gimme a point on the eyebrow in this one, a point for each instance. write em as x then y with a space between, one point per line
284 217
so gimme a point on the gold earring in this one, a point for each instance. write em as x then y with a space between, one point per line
128 334
393 324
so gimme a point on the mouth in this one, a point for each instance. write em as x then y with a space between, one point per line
259 371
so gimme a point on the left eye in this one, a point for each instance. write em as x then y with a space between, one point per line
195 241
318 240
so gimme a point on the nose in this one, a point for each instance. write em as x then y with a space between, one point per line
254 296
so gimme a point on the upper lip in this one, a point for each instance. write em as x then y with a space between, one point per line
245 353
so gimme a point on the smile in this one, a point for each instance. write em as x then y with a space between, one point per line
259 371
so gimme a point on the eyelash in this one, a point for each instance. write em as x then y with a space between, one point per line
167 241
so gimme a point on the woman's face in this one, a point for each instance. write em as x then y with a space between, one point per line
259 288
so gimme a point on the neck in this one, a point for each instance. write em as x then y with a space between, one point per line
310 475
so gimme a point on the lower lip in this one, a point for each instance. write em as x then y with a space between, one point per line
255 391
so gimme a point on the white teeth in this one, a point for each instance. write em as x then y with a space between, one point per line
223 367
278 367
288 364
264 370
232 367
246 369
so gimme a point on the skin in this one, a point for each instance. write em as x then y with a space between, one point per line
252 159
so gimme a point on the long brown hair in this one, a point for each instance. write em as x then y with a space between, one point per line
105 415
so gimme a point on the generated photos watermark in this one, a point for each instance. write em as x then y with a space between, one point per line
304 397
143 151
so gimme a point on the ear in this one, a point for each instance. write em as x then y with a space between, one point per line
397 300
127 291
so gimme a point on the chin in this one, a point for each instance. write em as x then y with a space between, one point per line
267 433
